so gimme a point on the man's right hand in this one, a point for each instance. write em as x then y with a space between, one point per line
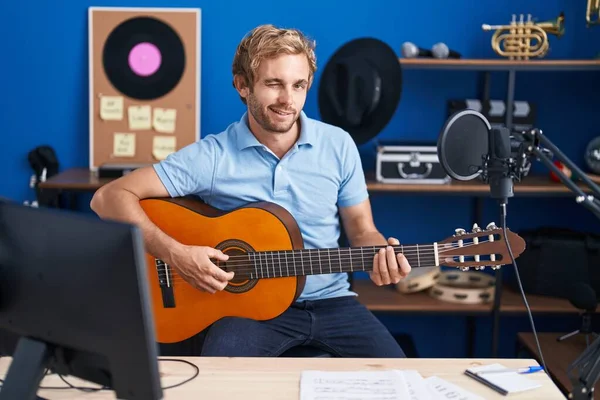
194 265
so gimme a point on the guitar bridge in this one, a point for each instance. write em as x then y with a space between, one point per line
165 282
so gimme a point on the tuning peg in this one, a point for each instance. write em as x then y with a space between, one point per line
491 225
480 268
476 228
459 231
495 267
464 269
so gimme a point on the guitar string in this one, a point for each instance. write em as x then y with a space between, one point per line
258 269
269 261
402 248
251 266
315 253
176 279
258 275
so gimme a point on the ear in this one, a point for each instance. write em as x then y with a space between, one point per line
241 85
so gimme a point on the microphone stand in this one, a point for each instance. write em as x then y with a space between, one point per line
534 138
588 362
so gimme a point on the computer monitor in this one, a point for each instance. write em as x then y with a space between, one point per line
73 289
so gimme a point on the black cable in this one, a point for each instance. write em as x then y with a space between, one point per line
194 366
537 342
89 389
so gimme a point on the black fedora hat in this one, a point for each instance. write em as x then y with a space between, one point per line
360 88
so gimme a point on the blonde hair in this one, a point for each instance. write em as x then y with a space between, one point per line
268 41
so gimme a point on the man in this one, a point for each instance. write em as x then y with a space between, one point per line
274 153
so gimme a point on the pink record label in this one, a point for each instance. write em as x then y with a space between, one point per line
144 59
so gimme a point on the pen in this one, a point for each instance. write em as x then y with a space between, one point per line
526 370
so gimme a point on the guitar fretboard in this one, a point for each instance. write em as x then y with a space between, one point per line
285 263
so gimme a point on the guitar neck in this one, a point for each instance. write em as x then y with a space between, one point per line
285 263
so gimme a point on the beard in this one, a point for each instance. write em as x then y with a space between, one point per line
264 118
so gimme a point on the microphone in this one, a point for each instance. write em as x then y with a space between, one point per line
497 171
410 50
441 50
468 147
464 153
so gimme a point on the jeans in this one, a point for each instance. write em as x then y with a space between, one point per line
341 326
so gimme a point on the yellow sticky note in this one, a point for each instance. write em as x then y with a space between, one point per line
164 120
162 146
124 145
140 117
111 108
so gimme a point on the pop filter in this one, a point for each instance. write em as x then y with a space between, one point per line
463 144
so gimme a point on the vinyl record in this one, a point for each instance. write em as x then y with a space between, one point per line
143 58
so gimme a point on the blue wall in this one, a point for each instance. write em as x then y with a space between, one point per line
45 99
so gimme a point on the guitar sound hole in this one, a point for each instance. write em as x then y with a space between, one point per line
241 281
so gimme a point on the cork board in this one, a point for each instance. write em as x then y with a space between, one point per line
144 77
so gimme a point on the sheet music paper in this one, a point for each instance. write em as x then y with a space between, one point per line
446 390
417 386
353 385
378 385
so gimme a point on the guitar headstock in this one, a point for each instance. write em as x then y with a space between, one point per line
479 248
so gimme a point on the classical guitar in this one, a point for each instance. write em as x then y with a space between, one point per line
267 254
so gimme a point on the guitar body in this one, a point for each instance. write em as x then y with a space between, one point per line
181 311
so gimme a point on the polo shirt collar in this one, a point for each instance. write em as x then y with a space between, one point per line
245 138
307 131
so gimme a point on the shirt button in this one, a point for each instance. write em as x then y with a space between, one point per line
279 168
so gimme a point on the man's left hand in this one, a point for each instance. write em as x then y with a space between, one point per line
389 267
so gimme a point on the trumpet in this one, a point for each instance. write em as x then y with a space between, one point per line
522 40
592 14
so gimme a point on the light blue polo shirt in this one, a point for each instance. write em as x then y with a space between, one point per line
321 171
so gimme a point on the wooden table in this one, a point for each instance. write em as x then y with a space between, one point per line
279 379
557 355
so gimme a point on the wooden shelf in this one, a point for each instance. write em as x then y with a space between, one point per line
75 179
388 299
512 303
531 185
500 64
83 179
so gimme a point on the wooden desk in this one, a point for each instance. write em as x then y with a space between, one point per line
266 378
557 355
